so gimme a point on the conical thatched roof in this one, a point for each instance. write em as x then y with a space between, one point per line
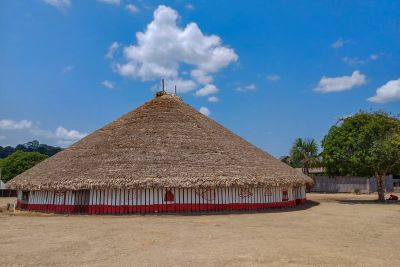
164 143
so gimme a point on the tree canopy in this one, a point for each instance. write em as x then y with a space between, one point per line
33 146
357 144
365 144
18 162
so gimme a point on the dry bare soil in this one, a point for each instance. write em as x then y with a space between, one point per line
331 230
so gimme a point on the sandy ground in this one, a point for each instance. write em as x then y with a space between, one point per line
331 230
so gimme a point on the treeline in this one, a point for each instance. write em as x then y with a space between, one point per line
16 160
33 146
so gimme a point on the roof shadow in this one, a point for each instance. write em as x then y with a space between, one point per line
369 201
309 204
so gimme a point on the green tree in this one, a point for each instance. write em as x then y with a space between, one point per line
366 144
18 162
6 151
32 146
304 153
35 146
286 159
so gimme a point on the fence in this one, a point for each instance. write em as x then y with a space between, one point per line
348 184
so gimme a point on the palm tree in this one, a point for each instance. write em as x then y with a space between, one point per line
286 159
305 153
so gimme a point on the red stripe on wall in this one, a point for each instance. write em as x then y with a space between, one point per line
156 208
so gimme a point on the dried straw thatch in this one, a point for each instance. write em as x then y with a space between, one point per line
163 143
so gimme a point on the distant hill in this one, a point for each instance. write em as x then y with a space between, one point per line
33 146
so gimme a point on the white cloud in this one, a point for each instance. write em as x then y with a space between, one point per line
207 90
182 86
164 47
68 135
213 99
374 56
250 87
339 43
388 92
42 133
343 83
189 6
273 77
201 76
67 69
15 125
60 4
205 111
61 135
108 84
112 49
354 60
111 2
132 8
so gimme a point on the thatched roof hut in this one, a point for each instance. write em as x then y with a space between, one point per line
163 143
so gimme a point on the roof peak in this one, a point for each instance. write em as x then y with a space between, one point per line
165 94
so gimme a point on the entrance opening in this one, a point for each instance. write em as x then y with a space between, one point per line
24 200
285 195
82 198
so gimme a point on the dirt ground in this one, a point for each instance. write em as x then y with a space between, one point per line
330 230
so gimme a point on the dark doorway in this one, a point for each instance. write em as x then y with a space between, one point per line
24 200
82 198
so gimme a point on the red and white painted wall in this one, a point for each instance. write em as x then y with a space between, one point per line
159 200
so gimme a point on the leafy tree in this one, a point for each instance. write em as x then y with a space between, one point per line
304 154
365 144
5 151
48 150
289 161
29 146
286 159
18 162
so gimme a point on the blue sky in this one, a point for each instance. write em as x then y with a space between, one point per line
269 71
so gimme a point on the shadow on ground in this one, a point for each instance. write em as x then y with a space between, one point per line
368 201
309 204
